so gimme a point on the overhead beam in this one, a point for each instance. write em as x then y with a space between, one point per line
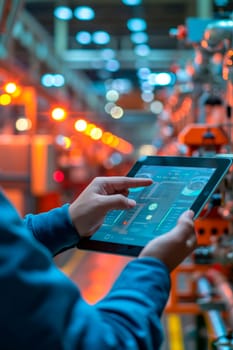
158 59
39 45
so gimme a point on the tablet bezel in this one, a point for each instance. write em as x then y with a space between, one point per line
221 164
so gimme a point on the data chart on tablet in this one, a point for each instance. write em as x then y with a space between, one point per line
179 183
173 191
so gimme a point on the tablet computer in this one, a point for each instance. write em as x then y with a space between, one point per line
179 183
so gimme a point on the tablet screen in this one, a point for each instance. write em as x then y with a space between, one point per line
178 184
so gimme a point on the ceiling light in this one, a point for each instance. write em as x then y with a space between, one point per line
101 37
146 86
132 2
123 86
10 87
96 133
80 125
47 80
143 73
84 13
161 79
108 107
112 95
136 24
23 124
156 107
152 79
142 50
117 112
63 12
58 80
112 65
108 54
165 79
147 96
139 37
83 37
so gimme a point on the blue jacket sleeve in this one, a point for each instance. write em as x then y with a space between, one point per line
53 229
42 309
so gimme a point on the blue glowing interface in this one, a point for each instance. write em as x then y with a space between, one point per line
158 206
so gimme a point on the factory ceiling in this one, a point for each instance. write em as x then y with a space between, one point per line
95 68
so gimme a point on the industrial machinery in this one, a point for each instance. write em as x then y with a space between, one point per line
201 125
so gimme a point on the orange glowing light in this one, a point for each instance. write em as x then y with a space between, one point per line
5 99
107 138
89 128
59 114
124 147
115 142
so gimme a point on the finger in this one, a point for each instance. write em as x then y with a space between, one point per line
118 201
123 182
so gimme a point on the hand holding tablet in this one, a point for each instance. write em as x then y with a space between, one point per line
179 183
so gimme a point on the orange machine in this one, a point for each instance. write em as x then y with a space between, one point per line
203 138
211 226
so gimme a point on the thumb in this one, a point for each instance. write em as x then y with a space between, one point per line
187 215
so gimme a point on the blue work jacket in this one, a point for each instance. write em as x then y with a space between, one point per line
42 309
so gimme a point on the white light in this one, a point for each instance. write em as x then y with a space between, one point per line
117 112
112 95
84 13
156 107
23 124
101 37
63 12
83 37
146 150
163 79
142 50
80 125
136 24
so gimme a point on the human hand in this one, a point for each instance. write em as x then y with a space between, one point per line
103 194
173 247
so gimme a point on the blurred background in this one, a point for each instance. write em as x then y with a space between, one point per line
88 87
